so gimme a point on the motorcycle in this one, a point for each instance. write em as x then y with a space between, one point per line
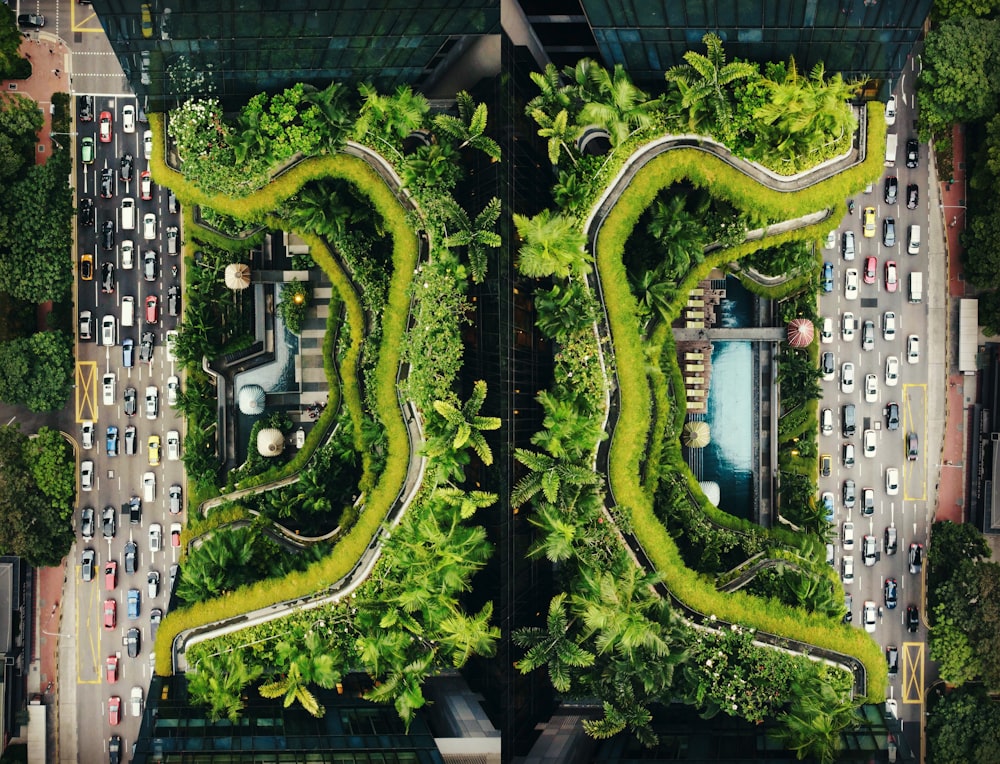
850 206
173 269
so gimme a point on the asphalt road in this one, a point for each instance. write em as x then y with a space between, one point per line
119 477
908 509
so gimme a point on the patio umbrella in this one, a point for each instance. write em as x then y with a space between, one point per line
251 399
270 442
696 434
800 332
237 276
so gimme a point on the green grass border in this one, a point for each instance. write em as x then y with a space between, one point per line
349 549
627 448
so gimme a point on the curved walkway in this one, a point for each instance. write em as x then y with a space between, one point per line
366 562
592 228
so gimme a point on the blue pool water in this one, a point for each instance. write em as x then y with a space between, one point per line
732 410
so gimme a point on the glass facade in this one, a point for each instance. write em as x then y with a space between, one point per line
234 49
855 37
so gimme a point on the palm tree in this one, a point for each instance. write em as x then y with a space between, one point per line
478 237
403 687
617 104
463 426
559 533
553 97
331 103
400 113
292 686
653 291
469 127
571 190
547 476
814 725
467 502
464 636
552 245
564 310
218 682
567 433
559 132
706 82
431 166
553 646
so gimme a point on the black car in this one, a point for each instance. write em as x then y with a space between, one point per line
892 416
916 558
912 153
889 232
134 511
86 212
827 364
146 348
174 300
108 524
912 447
132 642
108 234
130 440
891 189
85 108
912 196
131 557
155 616
130 401
115 750
108 277
912 618
889 590
107 183
31 20
125 167
892 659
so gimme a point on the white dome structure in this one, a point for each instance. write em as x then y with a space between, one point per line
237 276
270 442
251 399
711 490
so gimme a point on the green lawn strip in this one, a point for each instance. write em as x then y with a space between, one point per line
325 572
630 433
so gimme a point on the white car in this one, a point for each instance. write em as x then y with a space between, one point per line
848 535
891 371
173 445
831 240
108 387
869 443
173 385
888 326
848 326
868 616
826 333
109 331
847 378
871 388
147 144
851 284
170 343
847 564
890 111
87 475
128 119
136 697
155 537
152 402
891 481
149 226
88 435
913 349
128 254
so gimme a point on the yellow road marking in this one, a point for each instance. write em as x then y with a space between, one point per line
88 635
86 391
89 23
913 672
918 424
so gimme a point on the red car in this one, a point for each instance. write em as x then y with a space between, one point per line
112 669
114 710
151 309
110 614
871 270
111 576
105 128
891 277
145 186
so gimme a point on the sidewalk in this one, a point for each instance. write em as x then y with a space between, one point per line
49 59
961 388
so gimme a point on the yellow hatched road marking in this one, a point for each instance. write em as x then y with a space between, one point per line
86 391
913 672
90 635
86 23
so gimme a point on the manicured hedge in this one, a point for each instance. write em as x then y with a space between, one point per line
630 434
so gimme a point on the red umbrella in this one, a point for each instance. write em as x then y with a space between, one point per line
800 332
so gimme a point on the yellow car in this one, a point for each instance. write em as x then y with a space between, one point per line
147 21
154 450
869 222
87 267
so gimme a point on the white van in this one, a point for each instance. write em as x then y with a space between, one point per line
128 214
128 311
913 240
148 487
916 286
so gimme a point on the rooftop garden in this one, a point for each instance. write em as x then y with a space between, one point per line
683 213
284 163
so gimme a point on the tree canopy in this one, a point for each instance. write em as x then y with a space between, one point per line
37 371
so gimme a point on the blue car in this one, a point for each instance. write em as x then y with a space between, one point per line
111 444
827 501
133 603
827 276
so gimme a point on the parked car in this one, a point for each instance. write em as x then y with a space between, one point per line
828 276
87 475
912 447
